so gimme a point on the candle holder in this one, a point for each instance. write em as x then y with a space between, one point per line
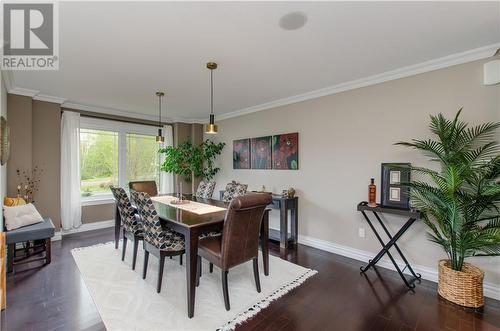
180 198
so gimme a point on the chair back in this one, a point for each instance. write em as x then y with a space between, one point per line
205 189
153 231
127 213
233 190
240 235
148 186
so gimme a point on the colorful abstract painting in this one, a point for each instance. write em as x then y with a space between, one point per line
286 151
241 154
261 153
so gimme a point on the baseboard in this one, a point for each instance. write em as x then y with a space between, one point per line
431 274
84 228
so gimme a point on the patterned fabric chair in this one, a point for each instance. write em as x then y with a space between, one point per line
157 241
132 225
233 190
205 189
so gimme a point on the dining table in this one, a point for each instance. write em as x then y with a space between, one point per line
192 225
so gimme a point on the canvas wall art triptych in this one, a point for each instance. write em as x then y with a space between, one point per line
270 152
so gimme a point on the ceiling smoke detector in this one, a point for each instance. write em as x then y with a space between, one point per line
293 21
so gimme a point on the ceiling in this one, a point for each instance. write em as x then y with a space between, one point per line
117 54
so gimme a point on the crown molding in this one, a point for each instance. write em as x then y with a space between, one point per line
119 112
423 67
443 62
23 91
49 98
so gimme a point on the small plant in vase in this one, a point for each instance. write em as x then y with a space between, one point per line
460 202
28 183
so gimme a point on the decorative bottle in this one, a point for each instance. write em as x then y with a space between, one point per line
372 194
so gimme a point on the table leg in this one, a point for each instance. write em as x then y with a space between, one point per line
264 241
191 238
117 226
283 226
295 223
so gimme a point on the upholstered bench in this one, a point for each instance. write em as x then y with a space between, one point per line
38 238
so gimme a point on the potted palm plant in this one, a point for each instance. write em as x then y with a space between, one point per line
460 203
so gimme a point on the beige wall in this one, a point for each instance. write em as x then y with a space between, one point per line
21 142
98 213
343 140
46 155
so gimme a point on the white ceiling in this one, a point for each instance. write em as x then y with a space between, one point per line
117 54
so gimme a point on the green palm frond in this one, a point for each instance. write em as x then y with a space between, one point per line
461 202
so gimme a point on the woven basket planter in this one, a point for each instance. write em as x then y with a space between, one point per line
465 288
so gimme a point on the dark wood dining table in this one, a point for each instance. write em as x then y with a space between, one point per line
192 225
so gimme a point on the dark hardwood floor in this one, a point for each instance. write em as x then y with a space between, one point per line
337 298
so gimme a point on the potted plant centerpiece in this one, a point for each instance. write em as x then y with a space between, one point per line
190 161
460 203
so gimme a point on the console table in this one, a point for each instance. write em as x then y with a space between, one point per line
412 215
284 205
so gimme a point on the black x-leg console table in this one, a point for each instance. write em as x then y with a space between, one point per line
413 216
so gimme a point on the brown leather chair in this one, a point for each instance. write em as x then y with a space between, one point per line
147 186
239 242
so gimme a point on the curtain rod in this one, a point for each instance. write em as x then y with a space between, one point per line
115 117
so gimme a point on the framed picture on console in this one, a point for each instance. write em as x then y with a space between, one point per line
394 194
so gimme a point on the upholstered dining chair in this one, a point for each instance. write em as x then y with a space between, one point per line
132 224
239 241
148 186
234 189
157 241
205 189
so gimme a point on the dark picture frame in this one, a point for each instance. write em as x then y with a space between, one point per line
286 151
393 193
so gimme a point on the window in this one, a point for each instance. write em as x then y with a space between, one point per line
142 157
115 153
98 161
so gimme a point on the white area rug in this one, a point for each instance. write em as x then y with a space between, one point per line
193 206
127 302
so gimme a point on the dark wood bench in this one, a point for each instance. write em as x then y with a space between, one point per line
37 240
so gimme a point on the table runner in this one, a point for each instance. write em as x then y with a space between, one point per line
193 206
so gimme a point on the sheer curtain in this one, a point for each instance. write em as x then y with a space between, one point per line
166 179
71 210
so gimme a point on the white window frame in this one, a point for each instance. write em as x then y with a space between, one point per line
122 128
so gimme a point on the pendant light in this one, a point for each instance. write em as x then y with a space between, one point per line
159 138
211 127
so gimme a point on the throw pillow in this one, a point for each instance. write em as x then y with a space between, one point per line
19 216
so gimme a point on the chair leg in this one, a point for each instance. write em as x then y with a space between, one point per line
180 259
48 251
134 257
10 257
145 268
256 273
225 290
198 271
124 247
160 272
211 267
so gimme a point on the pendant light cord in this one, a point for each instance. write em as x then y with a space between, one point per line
211 91
159 111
